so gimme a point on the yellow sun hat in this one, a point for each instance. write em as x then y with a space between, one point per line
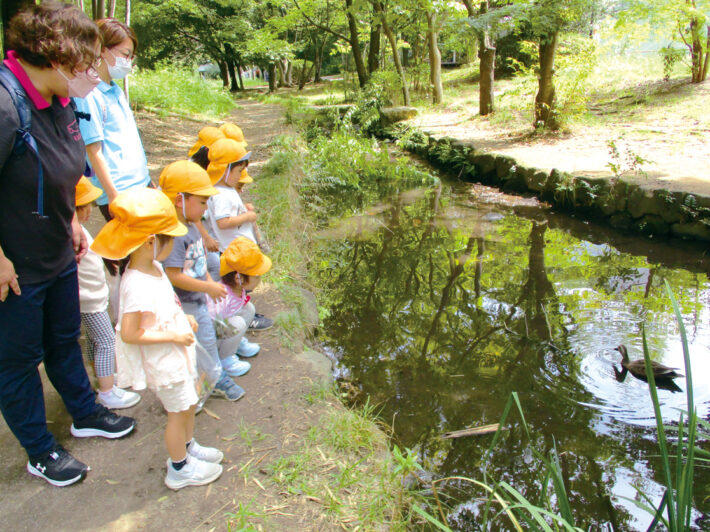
243 256
206 137
185 177
234 132
223 153
86 192
137 214
245 178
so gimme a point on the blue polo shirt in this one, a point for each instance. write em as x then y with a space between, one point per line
113 125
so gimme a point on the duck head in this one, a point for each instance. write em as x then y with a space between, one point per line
624 354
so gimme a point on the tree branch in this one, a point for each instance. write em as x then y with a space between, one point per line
319 26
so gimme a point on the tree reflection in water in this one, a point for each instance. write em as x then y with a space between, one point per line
440 314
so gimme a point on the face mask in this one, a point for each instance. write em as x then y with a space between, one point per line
82 84
121 69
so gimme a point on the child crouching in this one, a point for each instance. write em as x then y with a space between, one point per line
155 340
241 266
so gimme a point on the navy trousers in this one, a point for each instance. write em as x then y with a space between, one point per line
42 325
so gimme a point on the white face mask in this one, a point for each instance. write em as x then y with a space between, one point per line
121 68
82 83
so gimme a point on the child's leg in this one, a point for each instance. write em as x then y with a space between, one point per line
102 343
228 346
175 432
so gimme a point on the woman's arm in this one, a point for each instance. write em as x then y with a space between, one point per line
134 331
100 166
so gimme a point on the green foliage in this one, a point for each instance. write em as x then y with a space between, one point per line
670 56
180 91
625 160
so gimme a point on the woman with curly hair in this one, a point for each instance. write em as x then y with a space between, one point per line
54 50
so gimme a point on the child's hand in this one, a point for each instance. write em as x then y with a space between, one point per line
210 243
250 216
185 339
249 206
193 322
216 291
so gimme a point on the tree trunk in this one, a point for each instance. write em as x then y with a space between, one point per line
545 115
395 54
99 9
318 62
239 75
373 55
233 86
272 77
224 73
704 75
111 8
362 76
698 52
487 55
437 90
289 73
128 12
280 72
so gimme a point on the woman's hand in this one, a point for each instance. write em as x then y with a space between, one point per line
193 322
185 339
8 278
81 245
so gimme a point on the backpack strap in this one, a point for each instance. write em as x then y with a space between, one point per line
23 137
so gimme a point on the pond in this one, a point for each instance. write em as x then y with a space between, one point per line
442 301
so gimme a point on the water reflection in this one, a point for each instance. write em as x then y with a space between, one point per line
443 306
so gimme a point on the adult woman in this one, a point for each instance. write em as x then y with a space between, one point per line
113 146
53 49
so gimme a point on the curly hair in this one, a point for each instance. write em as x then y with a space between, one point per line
114 32
53 32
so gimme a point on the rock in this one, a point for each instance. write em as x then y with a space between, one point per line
504 166
537 180
611 197
485 163
321 364
652 225
693 230
672 203
308 308
621 220
641 201
391 115
325 109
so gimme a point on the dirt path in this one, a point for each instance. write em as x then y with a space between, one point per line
124 490
671 136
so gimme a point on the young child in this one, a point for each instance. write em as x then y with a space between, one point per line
155 341
229 217
241 266
93 298
188 186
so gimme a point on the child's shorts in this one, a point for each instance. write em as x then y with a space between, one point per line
178 397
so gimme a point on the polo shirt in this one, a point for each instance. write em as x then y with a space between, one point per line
39 249
113 125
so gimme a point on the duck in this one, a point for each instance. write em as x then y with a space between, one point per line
637 368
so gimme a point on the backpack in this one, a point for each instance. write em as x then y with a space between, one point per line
23 137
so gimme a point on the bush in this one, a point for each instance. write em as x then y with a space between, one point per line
180 91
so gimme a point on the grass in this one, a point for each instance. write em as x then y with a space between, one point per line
344 465
180 92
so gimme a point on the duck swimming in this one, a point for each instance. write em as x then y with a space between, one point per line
637 368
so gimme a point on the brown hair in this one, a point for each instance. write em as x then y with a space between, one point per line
53 32
114 32
230 279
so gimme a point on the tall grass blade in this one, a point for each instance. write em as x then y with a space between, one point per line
433 520
659 512
686 352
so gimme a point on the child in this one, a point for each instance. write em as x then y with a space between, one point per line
228 215
241 266
155 343
188 186
93 298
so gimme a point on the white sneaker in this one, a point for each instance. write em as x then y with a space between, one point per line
206 454
118 398
194 473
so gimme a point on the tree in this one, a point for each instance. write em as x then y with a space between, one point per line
487 55
686 22
379 10
437 89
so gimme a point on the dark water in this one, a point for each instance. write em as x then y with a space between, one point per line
444 301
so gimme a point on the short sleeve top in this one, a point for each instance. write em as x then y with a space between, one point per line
223 205
156 365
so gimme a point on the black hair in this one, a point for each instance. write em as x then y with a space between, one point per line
230 279
201 157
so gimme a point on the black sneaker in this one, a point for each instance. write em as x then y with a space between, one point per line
102 422
57 467
260 323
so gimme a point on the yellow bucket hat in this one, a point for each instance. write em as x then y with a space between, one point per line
223 153
245 178
86 192
243 256
234 132
186 177
206 137
137 214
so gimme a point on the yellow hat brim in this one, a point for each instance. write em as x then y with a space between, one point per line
264 267
116 241
246 178
92 195
195 147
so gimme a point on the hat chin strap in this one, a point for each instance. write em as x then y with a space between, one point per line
183 205
155 247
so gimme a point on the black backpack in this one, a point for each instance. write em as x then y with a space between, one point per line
23 137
